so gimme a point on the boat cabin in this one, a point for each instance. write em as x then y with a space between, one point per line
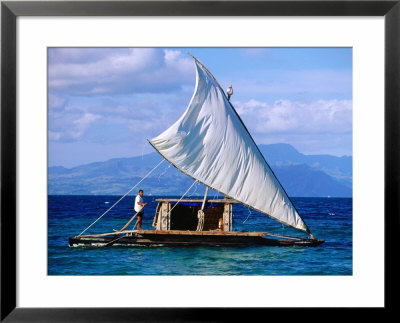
187 215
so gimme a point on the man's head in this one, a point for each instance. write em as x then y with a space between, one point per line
141 192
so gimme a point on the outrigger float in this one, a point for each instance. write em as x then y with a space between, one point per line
211 144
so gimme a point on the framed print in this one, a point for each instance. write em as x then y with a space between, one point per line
58 58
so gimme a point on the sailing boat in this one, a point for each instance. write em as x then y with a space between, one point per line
211 144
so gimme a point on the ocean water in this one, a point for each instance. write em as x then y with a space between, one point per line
329 219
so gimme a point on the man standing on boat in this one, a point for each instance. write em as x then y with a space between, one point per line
139 205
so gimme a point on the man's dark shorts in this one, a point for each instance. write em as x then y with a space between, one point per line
140 213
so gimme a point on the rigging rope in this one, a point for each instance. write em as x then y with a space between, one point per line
248 209
122 197
200 224
164 172
195 189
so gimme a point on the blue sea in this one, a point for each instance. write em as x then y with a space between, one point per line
329 219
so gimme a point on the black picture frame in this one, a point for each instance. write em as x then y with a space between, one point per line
10 10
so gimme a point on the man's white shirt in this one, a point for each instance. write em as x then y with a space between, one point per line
137 206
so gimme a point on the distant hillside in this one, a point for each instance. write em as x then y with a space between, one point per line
301 175
340 168
303 181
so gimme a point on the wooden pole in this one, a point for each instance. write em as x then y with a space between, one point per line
122 229
112 241
129 222
204 200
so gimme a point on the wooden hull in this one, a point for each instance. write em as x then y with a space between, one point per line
175 237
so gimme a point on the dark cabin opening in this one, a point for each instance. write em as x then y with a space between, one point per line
184 216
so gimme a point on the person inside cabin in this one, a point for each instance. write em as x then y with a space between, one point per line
139 205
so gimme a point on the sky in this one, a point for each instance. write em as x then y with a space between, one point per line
105 103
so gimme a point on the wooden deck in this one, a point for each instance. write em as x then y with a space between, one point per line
179 237
206 233
182 232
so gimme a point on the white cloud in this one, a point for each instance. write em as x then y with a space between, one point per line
54 136
177 62
119 61
86 120
300 85
319 127
56 101
72 129
123 70
322 116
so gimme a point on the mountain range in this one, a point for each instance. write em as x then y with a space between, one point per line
301 175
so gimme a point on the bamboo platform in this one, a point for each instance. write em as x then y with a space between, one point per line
223 201
180 237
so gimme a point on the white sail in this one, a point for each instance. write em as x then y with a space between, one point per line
211 144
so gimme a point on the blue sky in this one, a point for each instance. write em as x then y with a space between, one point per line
104 103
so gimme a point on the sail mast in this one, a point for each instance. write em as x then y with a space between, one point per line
205 197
